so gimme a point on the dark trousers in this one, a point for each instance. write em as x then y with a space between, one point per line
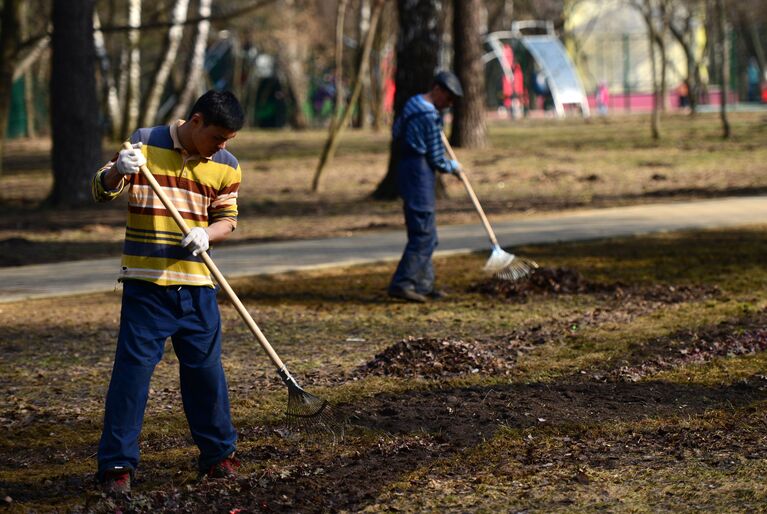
415 269
150 314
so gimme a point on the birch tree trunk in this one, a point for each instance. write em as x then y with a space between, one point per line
133 85
196 64
162 71
108 82
74 104
469 128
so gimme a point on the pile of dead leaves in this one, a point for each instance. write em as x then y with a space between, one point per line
664 293
557 281
729 338
433 358
543 281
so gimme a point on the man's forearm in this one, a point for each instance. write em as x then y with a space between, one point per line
220 230
112 179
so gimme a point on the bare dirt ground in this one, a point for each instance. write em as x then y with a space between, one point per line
630 375
529 167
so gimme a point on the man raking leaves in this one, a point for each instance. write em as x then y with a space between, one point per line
168 291
416 137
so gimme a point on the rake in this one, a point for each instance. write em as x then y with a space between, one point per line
304 411
501 264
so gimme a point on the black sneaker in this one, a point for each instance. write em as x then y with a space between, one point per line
408 295
116 481
225 468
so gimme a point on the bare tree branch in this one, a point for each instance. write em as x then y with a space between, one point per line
192 21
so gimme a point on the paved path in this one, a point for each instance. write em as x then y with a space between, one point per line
67 278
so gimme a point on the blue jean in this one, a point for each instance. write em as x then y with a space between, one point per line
415 269
150 314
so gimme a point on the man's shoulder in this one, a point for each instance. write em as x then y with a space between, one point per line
226 158
158 136
417 106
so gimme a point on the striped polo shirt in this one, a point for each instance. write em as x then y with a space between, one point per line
204 190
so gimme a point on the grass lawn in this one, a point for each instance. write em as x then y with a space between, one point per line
633 379
529 167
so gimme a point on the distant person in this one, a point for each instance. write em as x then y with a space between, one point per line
683 91
602 98
754 81
416 135
167 289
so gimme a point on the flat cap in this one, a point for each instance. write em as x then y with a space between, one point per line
447 80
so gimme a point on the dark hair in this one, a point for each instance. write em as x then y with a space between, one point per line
220 108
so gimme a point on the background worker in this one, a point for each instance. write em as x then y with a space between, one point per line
168 291
417 133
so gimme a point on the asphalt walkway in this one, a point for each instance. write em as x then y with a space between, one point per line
88 276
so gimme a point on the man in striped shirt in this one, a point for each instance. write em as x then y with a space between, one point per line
168 291
417 139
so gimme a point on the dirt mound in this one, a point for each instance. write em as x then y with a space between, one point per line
432 358
556 281
543 281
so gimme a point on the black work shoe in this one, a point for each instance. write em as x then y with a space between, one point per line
437 294
225 468
408 295
116 481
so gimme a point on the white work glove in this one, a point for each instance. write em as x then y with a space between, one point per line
129 161
455 166
196 241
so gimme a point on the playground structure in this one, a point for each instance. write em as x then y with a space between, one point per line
533 70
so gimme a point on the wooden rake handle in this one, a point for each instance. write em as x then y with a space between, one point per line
244 314
462 175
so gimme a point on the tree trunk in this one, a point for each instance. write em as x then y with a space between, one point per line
292 58
109 88
10 27
500 18
469 129
685 36
655 116
339 65
724 63
648 11
196 64
418 42
336 129
133 91
162 71
29 84
74 104
362 113
379 68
